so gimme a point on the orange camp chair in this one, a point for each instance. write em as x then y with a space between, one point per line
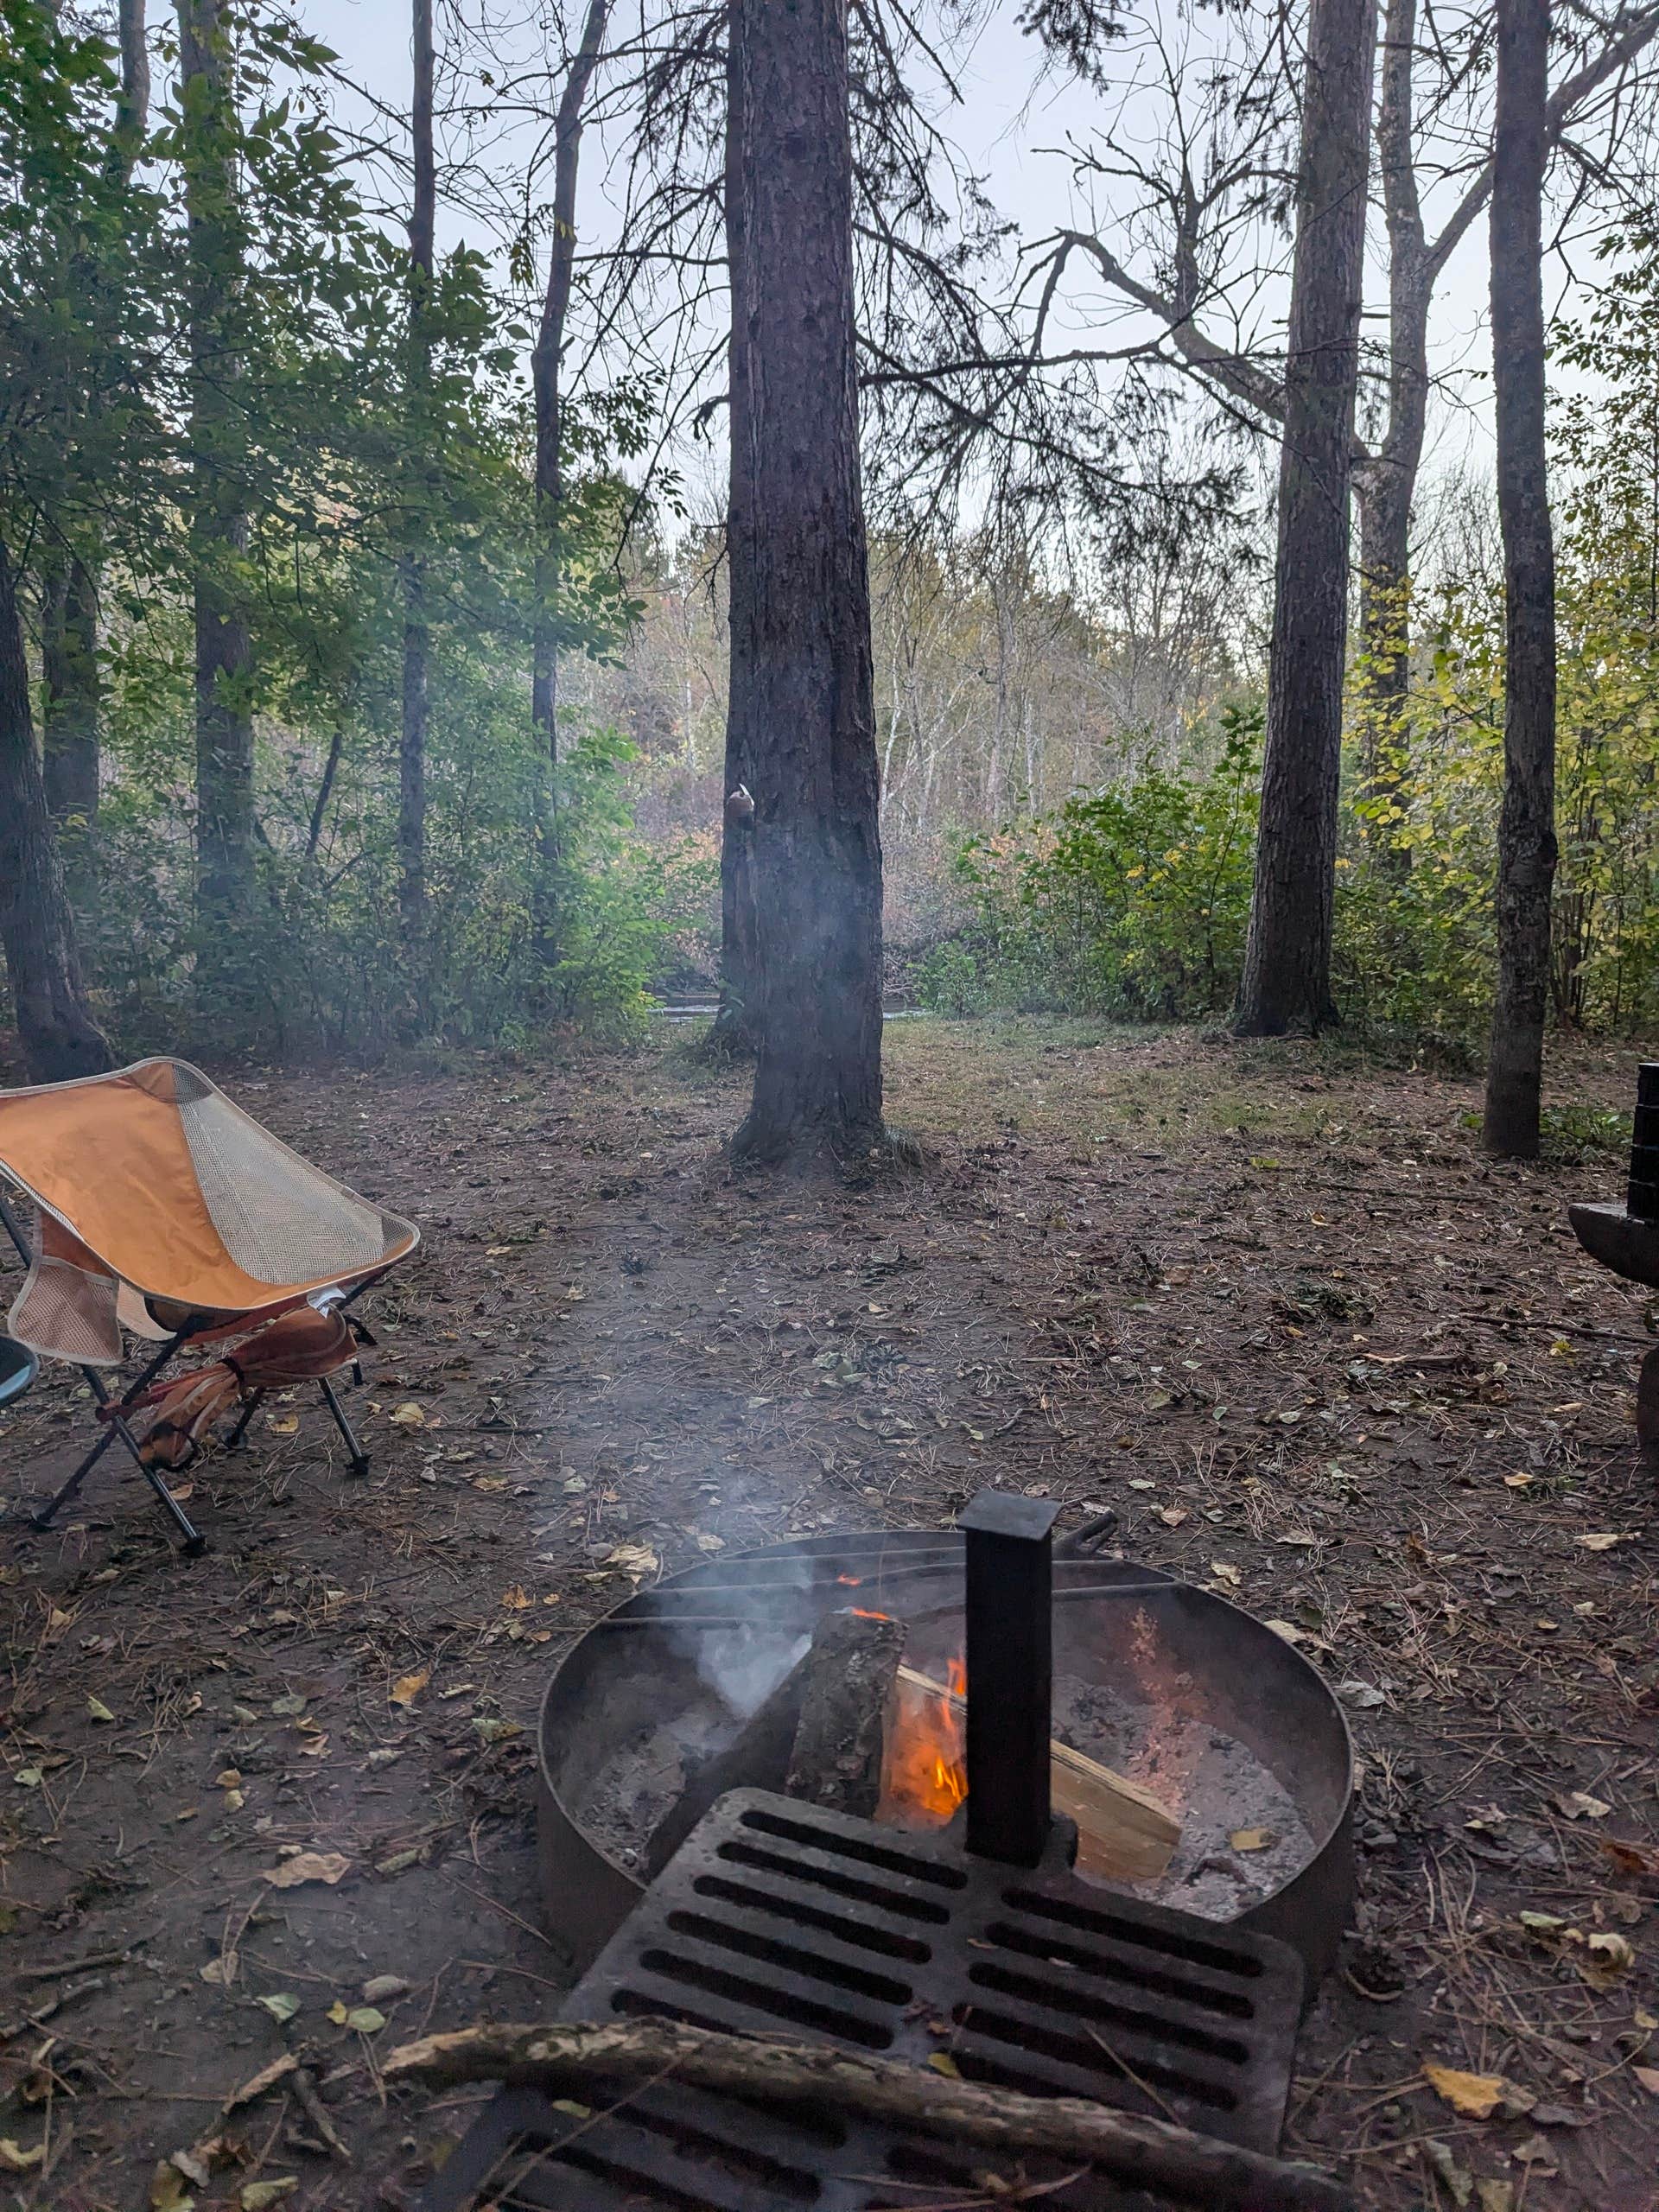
162 1209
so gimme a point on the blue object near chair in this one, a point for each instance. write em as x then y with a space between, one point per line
18 1368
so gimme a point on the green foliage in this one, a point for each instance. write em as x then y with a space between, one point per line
1131 901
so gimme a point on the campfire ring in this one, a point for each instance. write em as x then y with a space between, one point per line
643 1664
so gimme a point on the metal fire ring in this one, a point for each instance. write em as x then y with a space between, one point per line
1261 1690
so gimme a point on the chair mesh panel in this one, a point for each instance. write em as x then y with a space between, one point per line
279 1219
69 1312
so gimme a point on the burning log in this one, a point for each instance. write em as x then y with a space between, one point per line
763 1756
1147 2153
1124 1832
850 1672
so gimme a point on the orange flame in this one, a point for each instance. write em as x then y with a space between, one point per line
924 1774
851 1581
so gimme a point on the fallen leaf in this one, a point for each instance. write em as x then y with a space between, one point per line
257 2196
1542 1923
286 1708
97 1709
1649 2078
381 1987
1365 1695
1631 1858
1610 1958
494 1730
283 1424
221 1973
408 1416
28 1777
306 1866
942 2062
1172 1516
1459 2182
365 2019
518 1599
1224 1572
1495 2196
1578 1805
408 1688
228 1777
14 2159
168 2192
1288 1630
706 1542
1602 1540
282 2007
636 1559
1477 2096
1252 1839
1535 2152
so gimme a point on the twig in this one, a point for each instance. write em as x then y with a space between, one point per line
305 2088
1556 1328
1142 2151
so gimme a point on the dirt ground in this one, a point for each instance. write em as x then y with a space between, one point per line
1271 1305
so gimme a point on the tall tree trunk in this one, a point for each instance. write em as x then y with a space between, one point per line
800 590
737 1023
545 363
72 683
1286 978
60 1037
224 649
71 689
411 748
1389 481
1526 848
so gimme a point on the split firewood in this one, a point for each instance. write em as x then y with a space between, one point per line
1146 2153
836 1759
1124 1832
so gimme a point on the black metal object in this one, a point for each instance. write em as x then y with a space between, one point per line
608 1685
1008 1601
1642 1198
781 1919
1625 1238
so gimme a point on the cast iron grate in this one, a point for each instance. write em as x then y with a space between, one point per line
779 1919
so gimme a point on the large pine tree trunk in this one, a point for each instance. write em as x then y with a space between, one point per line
1526 864
59 1035
737 1027
411 744
1286 980
800 605
224 649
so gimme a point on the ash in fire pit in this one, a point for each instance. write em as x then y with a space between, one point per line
1196 1709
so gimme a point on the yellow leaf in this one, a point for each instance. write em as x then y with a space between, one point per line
942 2062
337 2013
306 1866
1477 2096
408 1688
283 1424
1601 1541
1611 1958
408 1416
260 2195
97 1708
168 2192
14 2159
1252 1839
518 1599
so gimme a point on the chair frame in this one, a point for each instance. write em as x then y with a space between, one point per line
192 1543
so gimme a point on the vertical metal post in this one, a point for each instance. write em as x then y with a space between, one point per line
1009 1572
1642 1198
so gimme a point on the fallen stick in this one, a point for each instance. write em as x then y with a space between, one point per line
1145 2152
1124 1832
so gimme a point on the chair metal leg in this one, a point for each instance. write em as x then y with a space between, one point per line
360 1457
233 1440
193 1541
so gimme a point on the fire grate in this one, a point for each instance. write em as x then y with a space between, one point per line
778 1918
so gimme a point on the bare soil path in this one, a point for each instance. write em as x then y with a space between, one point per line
1270 1304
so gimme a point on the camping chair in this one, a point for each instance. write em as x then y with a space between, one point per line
164 1211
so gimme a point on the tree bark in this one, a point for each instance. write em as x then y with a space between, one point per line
224 649
737 1030
1147 2153
1526 864
411 743
59 1038
70 690
1287 979
1387 483
800 605
545 364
